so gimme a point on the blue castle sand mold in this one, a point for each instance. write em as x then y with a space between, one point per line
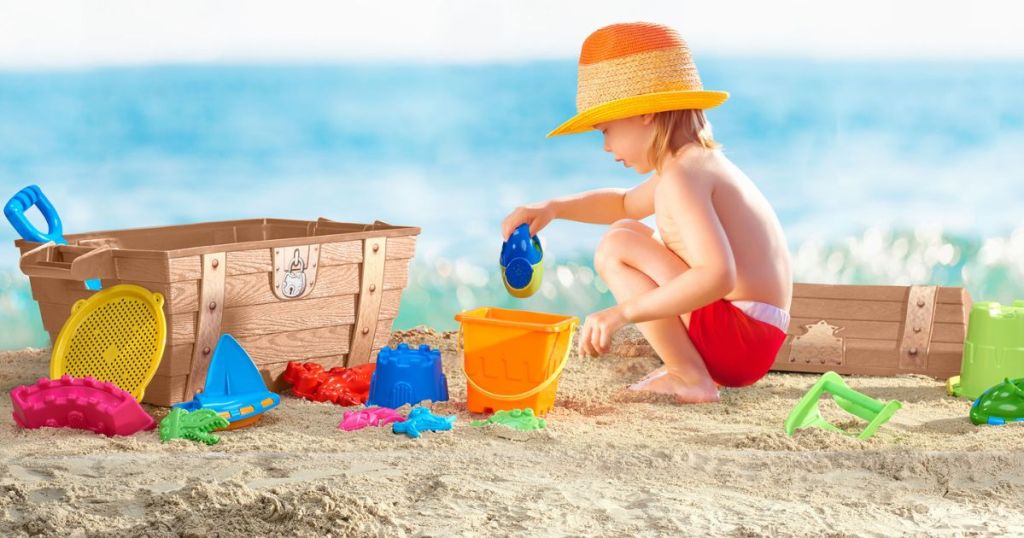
406 375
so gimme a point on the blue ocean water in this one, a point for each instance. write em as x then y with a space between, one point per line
881 172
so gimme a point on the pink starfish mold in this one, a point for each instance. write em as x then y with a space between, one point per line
370 416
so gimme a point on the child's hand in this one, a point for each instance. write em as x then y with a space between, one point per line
537 216
598 329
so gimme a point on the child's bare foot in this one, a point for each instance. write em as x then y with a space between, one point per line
666 382
657 372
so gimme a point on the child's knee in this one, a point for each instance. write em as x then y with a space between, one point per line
631 224
611 248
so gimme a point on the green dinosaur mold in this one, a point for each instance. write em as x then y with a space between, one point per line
1000 404
194 426
520 419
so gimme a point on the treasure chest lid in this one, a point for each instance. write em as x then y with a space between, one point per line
226 236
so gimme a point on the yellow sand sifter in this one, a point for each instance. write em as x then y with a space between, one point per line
116 335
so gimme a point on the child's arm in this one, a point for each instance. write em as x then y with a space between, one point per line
599 206
711 276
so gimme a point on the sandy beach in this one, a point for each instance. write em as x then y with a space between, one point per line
610 463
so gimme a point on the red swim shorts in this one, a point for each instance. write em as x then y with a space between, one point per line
737 349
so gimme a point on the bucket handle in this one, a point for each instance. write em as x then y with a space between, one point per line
512 397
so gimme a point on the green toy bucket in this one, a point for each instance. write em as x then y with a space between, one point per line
993 348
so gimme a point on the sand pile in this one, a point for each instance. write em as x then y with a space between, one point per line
611 462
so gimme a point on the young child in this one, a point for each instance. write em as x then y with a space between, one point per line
711 289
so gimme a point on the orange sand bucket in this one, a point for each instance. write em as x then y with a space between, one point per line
512 358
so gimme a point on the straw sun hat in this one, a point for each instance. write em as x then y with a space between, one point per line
632 69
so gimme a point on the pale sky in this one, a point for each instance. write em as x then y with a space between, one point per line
44 34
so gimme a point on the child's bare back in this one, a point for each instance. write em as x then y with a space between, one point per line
754 234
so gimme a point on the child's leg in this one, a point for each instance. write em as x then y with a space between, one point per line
632 262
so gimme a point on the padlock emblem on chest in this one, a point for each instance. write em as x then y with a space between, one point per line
295 280
295 271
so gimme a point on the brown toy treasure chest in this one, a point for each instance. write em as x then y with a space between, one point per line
876 330
287 290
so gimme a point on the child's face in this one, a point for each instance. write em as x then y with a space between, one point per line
628 140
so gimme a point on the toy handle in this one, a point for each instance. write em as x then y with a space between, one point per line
68 262
505 256
22 202
543 384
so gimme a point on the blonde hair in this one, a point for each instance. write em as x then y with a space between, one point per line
692 125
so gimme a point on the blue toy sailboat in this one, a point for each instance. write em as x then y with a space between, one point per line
234 387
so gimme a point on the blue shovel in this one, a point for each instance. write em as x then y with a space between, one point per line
15 213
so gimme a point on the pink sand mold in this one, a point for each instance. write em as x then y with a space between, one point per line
80 403
370 416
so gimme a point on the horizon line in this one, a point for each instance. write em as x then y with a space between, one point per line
397 61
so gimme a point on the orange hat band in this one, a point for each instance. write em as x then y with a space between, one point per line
645 72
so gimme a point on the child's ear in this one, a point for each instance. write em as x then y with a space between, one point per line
647 118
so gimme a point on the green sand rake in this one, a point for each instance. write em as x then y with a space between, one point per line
807 415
